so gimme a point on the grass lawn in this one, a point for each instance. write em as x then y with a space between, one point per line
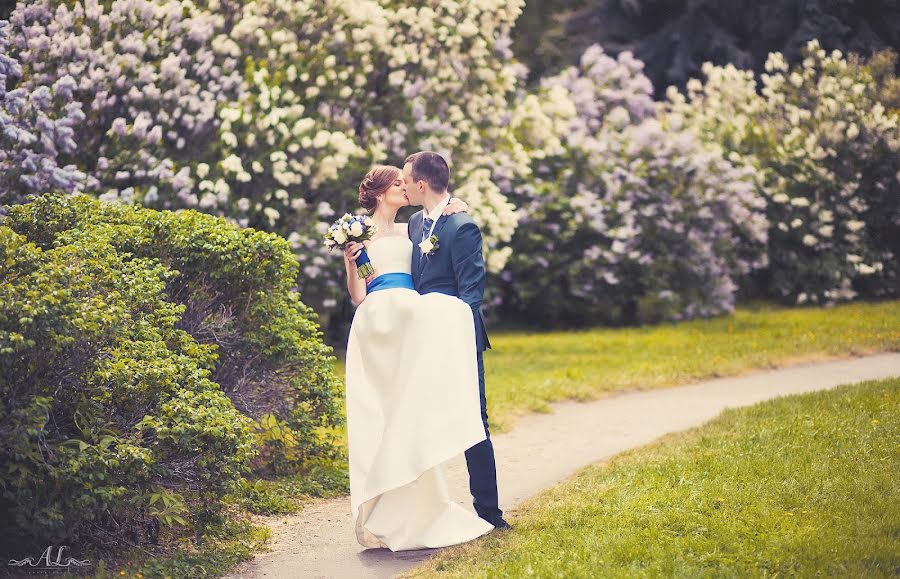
798 486
527 371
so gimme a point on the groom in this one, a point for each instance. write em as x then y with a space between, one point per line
450 262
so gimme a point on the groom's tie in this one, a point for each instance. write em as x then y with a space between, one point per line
426 228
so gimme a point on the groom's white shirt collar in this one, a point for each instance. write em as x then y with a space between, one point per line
436 213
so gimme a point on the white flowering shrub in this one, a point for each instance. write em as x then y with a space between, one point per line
827 155
565 114
626 217
337 86
268 113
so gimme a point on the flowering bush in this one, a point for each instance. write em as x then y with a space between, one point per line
268 113
826 154
391 78
36 129
149 77
626 218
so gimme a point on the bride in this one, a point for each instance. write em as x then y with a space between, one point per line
412 389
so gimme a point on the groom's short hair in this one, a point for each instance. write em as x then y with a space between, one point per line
430 167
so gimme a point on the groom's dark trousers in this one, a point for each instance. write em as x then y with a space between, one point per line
481 465
457 269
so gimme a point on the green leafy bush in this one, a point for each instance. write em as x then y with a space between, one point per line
124 331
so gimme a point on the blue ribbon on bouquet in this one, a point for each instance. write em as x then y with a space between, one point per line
364 266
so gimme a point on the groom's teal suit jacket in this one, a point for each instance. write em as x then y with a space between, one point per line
456 268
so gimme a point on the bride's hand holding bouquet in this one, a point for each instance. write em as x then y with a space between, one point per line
348 231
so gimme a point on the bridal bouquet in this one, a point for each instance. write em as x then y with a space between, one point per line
356 228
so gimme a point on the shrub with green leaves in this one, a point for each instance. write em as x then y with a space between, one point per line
106 405
124 331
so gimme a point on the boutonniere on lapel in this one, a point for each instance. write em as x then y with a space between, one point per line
430 246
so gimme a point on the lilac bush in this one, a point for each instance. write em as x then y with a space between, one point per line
267 113
627 217
333 87
149 77
37 132
827 159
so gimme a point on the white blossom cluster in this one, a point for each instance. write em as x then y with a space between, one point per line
827 155
336 86
268 112
37 129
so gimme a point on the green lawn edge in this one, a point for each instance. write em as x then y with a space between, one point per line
528 371
803 485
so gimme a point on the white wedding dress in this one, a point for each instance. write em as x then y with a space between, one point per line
412 404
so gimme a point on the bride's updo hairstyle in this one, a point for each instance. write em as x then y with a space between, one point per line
376 182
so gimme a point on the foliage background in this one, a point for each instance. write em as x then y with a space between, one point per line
675 37
267 113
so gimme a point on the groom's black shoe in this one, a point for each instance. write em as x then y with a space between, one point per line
501 525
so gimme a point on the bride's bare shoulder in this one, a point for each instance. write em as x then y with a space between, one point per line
400 228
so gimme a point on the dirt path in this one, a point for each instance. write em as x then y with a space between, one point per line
542 450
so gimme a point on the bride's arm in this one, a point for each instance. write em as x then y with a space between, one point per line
355 286
456 205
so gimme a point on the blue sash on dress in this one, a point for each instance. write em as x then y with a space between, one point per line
390 281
